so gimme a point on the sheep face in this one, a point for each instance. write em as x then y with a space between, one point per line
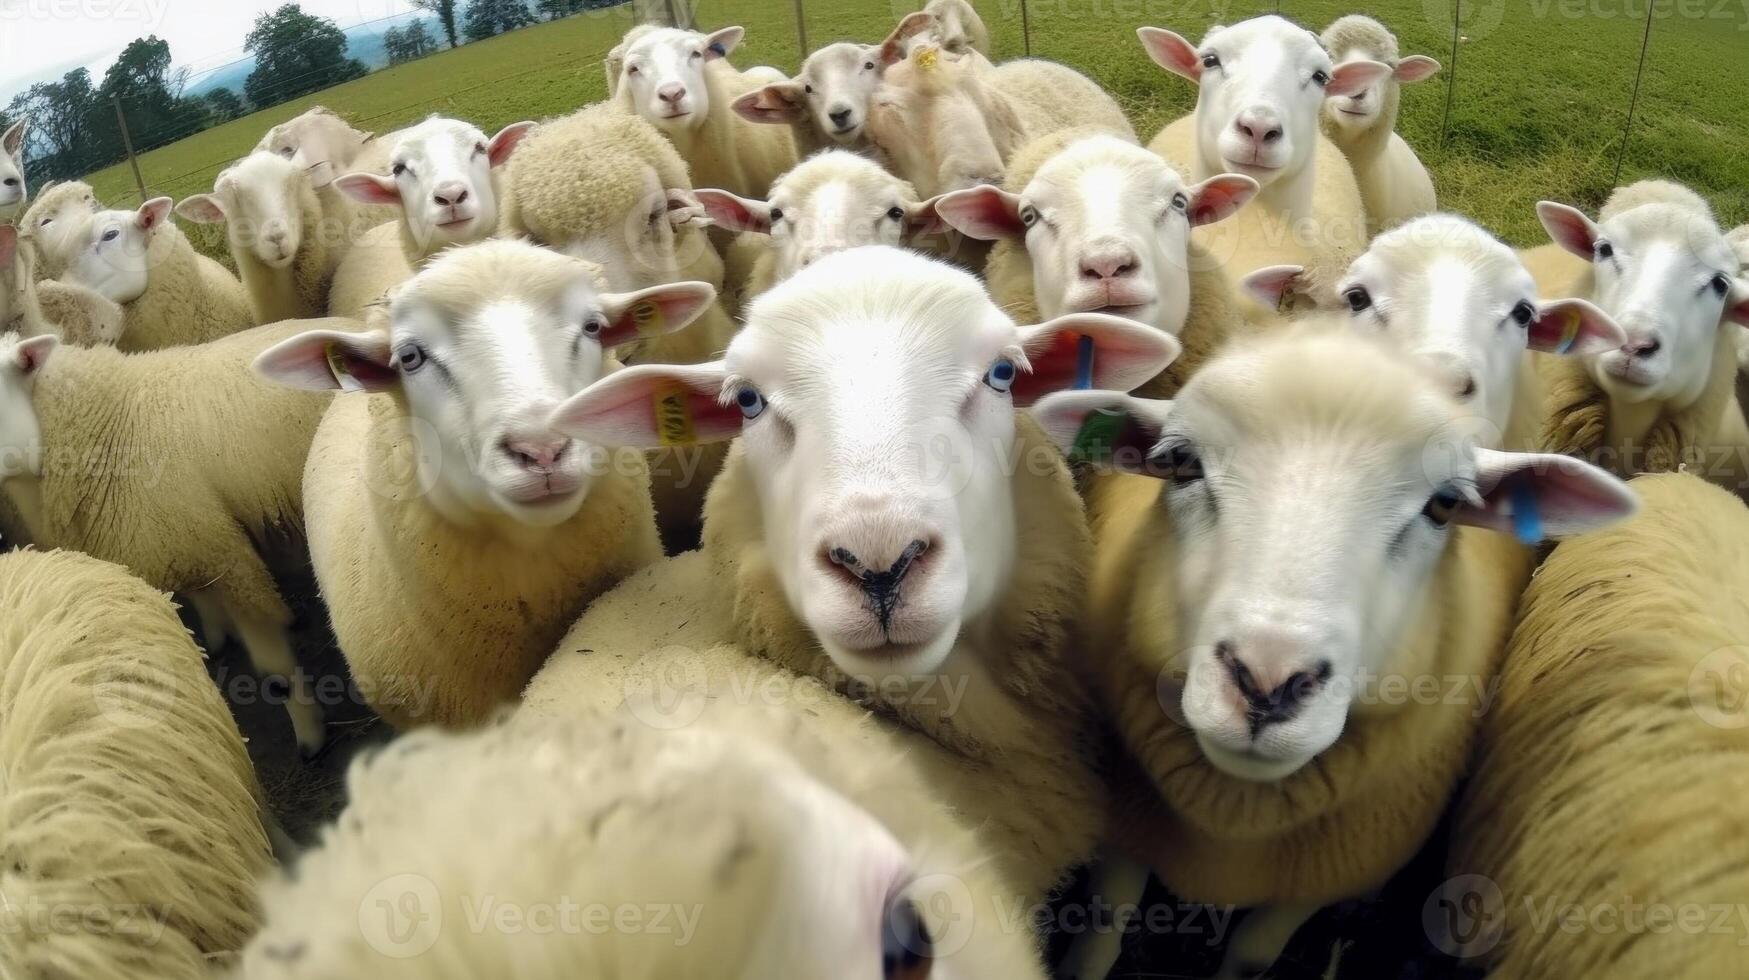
837 82
1362 110
953 25
1311 486
662 72
316 137
1262 84
482 345
440 175
263 200
12 187
20 432
1462 304
874 396
1669 277
120 250
56 223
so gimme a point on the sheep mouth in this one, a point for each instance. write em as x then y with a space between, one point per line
456 224
1132 311
1631 372
554 490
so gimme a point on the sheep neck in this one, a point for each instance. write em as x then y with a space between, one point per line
1289 194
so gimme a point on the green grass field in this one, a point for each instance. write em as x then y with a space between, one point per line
1538 107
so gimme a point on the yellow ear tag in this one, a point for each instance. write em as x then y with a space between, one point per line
337 366
926 58
648 318
674 417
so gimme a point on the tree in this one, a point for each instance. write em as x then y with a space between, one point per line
445 11
225 104
64 117
409 42
143 80
489 18
555 9
295 53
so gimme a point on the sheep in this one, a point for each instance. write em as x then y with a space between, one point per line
447 169
947 124
14 192
1612 767
605 186
874 393
682 83
317 136
169 294
55 222
757 842
1666 398
1115 236
1283 627
829 202
1261 86
955 28
437 475
30 308
122 456
133 827
1394 185
283 238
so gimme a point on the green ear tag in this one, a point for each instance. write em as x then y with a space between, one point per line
1098 436
674 417
337 367
648 317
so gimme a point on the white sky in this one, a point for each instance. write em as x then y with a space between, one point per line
44 39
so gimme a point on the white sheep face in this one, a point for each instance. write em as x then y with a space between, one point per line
20 432
837 83
1359 111
262 200
316 137
120 250
1667 275
662 72
874 395
1261 86
13 189
440 175
1311 487
59 231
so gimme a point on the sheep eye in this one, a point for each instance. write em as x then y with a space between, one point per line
593 326
750 402
1358 298
410 358
111 235
1320 78
1604 250
1180 202
1442 507
907 950
1028 216
807 90
1001 375
631 69
776 215
1211 61
398 169
1523 313
479 149
868 66
698 54
1721 284
1179 463
287 152
45 222
896 213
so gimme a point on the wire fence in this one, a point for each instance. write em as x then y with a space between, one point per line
1560 99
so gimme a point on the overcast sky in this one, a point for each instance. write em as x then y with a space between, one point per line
44 39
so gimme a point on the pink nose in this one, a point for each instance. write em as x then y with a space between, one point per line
450 194
1260 126
1643 346
1273 679
671 92
1111 263
537 455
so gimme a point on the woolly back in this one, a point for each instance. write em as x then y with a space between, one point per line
1614 765
125 791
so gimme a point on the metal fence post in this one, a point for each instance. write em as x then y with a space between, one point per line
1026 27
1627 131
801 33
1457 7
127 143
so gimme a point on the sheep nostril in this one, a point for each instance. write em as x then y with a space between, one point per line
1468 388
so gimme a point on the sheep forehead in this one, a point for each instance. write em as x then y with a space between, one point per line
862 178
664 38
438 131
493 271
1452 245
834 59
1271 33
1105 158
1690 232
1358 35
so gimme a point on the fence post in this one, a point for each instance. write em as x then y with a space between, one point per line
1026 27
127 143
1627 132
801 33
1457 7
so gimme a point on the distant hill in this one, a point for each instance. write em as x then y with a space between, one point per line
363 41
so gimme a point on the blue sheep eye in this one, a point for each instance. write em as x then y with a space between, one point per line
1001 375
751 403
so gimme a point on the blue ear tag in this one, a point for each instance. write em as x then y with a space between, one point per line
1084 363
1527 522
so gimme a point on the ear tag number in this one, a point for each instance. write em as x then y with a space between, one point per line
648 318
337 367
1096 441
674 417
1527 522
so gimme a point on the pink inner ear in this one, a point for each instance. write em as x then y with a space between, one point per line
1053 368
370 188
1172 52
1269 285
1737 305
983 212
1415 68
1219 197
505 143
8 245
1568 228
768 105
1573 327
732 212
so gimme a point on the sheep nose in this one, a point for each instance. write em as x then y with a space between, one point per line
450 194
1465 385
671 92
1108 263
1259 125
876 571
839 117
537 455
1271 676
1643 346
275 236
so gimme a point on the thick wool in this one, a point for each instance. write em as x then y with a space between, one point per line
31 307
706 821
189 298
128 794
1613 768
375 264
1342 825
1393 182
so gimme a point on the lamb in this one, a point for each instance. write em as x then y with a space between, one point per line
55 222
1616 791
1115 237
318 136
285 242
1394 185
443 183
169 294
129 800
605 186
1261 86
894 574
31 308
1294 766
682 83
437 475
118 455
1666 398
13 190
754 843
948 124
955 28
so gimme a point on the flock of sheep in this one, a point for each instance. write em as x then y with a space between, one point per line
1195 537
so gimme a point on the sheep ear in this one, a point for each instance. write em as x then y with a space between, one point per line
733 212
202 209
1273 286
1352 77
654 311
502 145
13 142
1537 496
324 360
923 218
720 43
779 102
1090 350
1737 303
685 210
1569 228
152 213
892 50
31 353
1219 197
1106 429
368 188
652 406
320 174
1415 68
1573 326
985 212
614 65
8 245
1171 52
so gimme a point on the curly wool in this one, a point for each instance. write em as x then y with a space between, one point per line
128 794
1612 768
189 298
